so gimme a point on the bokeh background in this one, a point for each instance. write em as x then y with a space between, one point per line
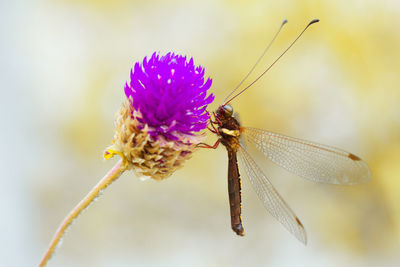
63 67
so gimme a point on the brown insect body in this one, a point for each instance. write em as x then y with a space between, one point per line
229 131
307 159
310 160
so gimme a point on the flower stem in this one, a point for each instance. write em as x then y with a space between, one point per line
110 177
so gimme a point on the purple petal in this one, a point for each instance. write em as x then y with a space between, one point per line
171 94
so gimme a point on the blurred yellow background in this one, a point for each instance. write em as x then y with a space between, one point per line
64 64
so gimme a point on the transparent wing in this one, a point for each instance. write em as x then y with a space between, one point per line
272 201
310 160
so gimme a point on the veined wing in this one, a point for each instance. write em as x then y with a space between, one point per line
310 160
272 201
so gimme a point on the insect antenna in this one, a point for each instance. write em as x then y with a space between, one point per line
258 60
273 63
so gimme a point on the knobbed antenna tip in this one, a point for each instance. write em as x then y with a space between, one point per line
284 22
313 21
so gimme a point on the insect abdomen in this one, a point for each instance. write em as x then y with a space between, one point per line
234 190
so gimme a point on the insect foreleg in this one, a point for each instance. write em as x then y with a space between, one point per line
204 145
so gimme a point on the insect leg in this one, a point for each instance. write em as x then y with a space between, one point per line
217 121
213 130
204 145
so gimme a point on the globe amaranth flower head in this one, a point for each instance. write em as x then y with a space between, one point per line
161 123
171 95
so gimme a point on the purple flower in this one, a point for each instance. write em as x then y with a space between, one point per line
169 95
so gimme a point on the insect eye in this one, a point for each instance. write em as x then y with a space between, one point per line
228 110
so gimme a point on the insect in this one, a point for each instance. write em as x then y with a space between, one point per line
310 160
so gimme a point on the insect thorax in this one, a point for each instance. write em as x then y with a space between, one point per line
229 132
